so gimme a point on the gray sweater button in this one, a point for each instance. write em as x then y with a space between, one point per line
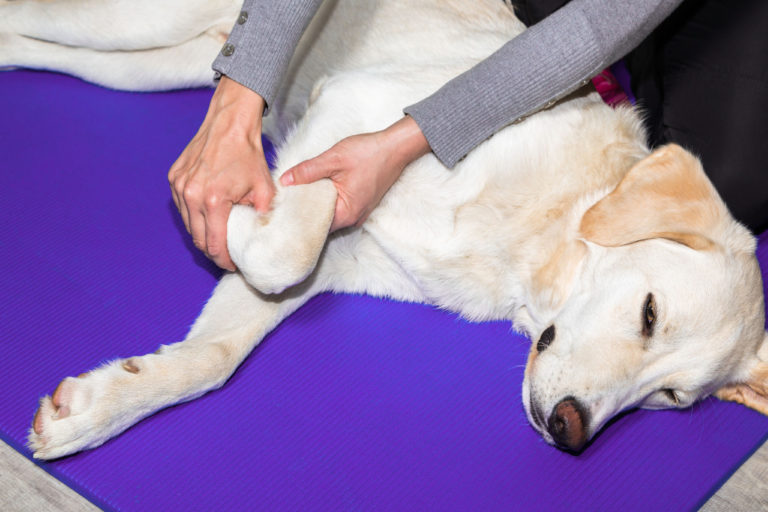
242 18
228 50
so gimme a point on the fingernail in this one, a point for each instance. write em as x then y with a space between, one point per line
287 178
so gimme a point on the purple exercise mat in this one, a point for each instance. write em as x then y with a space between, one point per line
353 403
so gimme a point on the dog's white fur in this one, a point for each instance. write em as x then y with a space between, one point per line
565 219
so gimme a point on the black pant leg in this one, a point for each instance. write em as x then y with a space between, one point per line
703 77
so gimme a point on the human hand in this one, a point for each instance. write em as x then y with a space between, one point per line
223 165
362 167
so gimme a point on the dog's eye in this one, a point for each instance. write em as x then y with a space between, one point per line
649 315
671 396
665 398
546 338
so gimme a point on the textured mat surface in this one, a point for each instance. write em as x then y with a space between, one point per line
351 404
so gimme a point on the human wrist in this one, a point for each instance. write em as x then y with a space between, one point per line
406 140
239 108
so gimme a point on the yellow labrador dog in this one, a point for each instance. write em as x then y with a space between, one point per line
623 265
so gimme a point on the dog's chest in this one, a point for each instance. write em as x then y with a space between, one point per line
467 250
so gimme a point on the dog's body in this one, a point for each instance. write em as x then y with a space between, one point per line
625 265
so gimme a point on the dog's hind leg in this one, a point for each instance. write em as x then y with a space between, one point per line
174 67
116 25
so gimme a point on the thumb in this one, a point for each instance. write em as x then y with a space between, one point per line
307 171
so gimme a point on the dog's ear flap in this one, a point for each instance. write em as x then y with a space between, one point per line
665 195
754 392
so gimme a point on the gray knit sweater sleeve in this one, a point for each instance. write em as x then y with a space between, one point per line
262 42
545 63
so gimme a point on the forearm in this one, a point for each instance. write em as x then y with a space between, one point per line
262 42
543 64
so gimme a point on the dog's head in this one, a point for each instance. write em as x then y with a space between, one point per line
666 308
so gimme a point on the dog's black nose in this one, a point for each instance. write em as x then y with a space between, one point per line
546 338
568 424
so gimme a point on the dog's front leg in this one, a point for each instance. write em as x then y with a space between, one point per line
279 249
86 411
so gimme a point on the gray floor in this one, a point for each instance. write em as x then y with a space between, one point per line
25 487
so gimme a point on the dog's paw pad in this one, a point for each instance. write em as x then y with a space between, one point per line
68 398
130 365
44 411
72 396
38 434
62 397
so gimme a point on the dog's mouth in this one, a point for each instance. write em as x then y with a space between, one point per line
537 417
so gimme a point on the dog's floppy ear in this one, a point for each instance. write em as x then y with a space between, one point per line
665 195
754 392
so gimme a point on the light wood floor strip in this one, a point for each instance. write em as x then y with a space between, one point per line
746 490
25 487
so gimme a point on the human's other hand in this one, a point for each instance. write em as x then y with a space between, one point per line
223 165
362 167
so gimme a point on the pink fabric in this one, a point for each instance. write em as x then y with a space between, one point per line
610 89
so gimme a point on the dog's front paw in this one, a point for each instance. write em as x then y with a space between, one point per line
82 413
